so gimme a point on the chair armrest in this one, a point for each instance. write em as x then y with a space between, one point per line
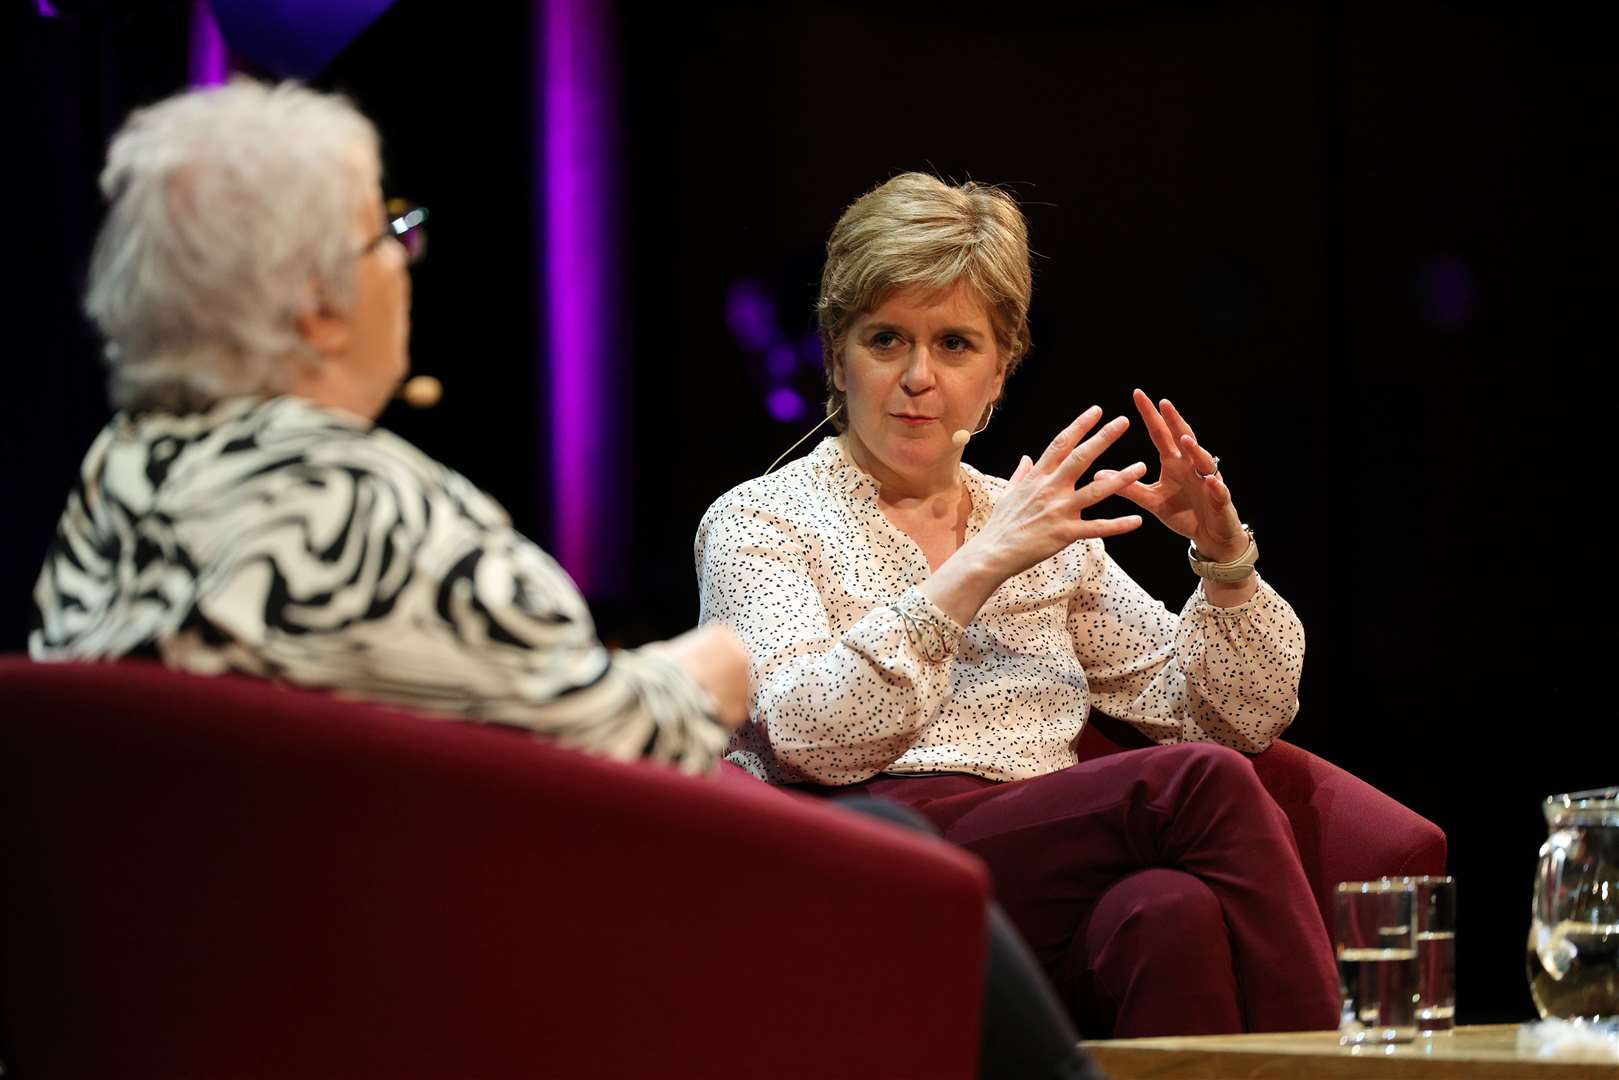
1346 829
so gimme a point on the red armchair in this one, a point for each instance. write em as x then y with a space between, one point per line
1346 829
221 877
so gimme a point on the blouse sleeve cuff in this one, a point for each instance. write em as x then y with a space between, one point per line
1263 598
934 635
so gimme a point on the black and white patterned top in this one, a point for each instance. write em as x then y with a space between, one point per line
821 586
277 538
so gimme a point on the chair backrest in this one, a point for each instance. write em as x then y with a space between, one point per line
223 877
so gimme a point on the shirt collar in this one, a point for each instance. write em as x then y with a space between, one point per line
279 411
832 455
847 476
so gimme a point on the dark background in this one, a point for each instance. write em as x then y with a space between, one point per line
1359 248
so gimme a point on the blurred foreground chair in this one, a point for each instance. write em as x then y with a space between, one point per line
224 877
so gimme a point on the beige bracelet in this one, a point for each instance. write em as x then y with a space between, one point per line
1225 573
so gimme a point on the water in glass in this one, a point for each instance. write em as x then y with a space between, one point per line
1377 961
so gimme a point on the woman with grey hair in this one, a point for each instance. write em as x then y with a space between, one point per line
925 633
240 513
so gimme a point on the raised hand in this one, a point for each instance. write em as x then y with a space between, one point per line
1189 496
1041 512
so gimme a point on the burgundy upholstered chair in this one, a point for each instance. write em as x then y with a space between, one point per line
222 877
1346 829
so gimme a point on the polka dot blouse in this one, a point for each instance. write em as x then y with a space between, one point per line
857 673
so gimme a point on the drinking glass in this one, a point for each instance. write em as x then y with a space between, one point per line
1435 908
1376 944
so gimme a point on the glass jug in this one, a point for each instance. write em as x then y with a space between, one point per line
1573 955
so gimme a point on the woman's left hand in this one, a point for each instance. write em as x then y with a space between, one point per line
1189 496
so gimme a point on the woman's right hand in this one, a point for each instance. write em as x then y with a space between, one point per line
1041 511
1039 514
715 657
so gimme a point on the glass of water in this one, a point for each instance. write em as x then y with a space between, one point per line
1436 952
1376 942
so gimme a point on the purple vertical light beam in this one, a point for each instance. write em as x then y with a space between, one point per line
210 65
578 177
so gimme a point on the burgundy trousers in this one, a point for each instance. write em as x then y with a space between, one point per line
1160 889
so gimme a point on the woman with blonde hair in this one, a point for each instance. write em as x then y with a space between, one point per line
925 633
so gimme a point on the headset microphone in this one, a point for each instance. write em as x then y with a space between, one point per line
421 392
802 437
959 439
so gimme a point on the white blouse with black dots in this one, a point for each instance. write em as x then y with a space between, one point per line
857 673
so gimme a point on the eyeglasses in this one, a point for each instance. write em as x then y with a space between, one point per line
405 224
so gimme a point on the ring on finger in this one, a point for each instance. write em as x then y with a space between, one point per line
1212 473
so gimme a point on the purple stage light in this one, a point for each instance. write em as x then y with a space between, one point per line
47 9
579 177
786 405
751 316
210 65
781 361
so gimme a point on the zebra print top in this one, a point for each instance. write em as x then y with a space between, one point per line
277 538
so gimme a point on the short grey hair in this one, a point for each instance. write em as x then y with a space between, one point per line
231 212
915 230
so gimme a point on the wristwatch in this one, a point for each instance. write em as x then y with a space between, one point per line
1225 572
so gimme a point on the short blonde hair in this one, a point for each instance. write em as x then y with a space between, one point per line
231 212
916 231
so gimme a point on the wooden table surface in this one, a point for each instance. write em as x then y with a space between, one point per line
1475 1053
